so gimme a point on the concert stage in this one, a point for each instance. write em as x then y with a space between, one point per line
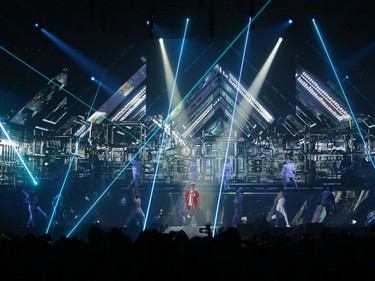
110 208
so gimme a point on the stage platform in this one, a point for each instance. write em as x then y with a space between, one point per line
356 206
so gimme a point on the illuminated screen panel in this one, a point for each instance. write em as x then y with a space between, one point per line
119 96
134 108
43 98
34 106
319 97
58 112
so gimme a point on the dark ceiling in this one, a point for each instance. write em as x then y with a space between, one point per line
113 35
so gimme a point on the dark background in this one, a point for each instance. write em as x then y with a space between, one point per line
114 36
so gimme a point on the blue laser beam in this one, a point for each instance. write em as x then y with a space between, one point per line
231 127
344 94
163 137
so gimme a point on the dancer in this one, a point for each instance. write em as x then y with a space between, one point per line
193 171
137 173
327 201
35 212
237 204
288 172
280 209
137 216
228 171
60 217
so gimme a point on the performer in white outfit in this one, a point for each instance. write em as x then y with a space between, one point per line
280 208
228 171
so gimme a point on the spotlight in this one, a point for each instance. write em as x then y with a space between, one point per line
143 58
290 21
36 24
92 78
147 22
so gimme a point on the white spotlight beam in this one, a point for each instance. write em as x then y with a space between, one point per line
257 84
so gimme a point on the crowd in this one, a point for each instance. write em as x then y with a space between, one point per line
155 255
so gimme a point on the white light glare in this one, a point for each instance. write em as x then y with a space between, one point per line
18 154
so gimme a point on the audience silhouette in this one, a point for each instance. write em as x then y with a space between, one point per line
226 255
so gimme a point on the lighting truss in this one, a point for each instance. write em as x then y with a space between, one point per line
304 117
199 118
82 131
292 125
244 129
251 122
175 135
194 106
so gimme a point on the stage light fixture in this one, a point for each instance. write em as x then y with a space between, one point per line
370 122
41 128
